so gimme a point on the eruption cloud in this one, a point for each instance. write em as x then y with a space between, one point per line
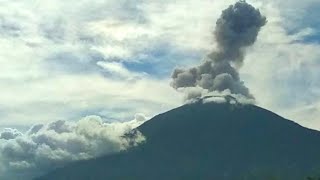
236 29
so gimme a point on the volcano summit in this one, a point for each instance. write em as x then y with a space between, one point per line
210 141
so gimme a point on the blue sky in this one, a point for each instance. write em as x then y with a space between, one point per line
66 60
89 62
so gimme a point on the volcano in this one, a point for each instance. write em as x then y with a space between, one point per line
209 141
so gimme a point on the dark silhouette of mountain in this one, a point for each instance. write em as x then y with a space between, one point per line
209 141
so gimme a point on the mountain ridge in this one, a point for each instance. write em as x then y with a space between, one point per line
209 141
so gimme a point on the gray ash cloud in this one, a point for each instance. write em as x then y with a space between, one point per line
236 29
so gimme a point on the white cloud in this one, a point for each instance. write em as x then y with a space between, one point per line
46 147
280 69
69 96
54 56
9 133
117 69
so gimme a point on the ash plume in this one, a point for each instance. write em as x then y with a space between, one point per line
236 29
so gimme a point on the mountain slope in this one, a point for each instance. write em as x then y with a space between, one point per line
209 141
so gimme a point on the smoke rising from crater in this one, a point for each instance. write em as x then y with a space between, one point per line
236 29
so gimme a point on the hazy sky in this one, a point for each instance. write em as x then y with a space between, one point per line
63 60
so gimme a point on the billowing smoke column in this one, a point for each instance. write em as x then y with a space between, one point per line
236 29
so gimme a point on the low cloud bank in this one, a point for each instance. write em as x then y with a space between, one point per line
45 147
